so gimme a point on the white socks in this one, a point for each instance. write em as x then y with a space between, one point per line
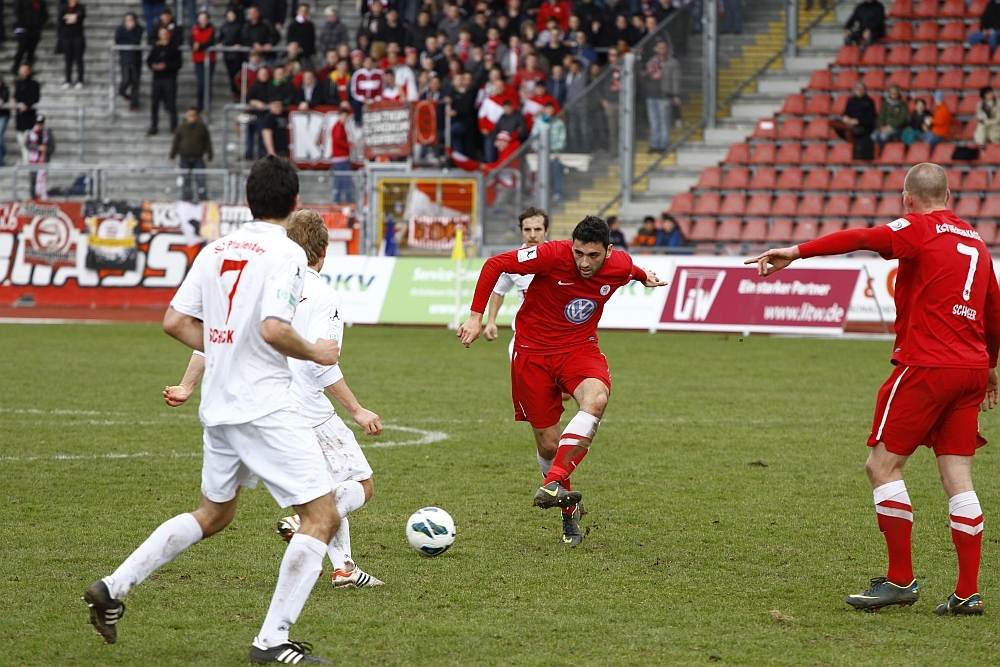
965 513
580 430
300 568
544 464
892 500
166 543
349 496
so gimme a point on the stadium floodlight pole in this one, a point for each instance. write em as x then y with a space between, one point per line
791 28
710 61
626 127
543 174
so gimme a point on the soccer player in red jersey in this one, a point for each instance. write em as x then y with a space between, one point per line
555 349
947 338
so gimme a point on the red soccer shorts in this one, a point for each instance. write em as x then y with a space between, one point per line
537 382
936 407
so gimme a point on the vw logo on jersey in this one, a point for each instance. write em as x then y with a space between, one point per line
579 311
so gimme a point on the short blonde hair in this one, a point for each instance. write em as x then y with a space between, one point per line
309 231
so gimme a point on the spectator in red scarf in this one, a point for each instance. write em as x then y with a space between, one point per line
203 38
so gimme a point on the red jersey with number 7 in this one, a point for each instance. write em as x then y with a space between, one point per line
561 310
943 285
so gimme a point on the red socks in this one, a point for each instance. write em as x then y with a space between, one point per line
895 520
967 533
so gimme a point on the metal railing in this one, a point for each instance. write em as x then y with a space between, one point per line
77 112
125 182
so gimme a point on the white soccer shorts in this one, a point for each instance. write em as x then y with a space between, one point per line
277 448
344 459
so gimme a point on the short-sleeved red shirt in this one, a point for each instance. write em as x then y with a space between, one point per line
945 273
561 310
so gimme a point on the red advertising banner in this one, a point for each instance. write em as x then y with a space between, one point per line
725 298
310 137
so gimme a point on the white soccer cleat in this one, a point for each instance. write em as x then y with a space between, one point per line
288 527
356 577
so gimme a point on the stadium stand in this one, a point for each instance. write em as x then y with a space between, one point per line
799 180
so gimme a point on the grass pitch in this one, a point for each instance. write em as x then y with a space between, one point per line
730 513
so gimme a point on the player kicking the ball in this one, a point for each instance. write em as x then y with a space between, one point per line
556 350
947 338
318 316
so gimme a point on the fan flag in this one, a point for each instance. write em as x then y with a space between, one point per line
490 112
463 161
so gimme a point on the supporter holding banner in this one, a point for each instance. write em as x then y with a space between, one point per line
112 234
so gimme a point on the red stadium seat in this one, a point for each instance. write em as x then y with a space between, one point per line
976 8
703 229
842 154
918 152
988 231
819 128
925 79
810 206
953 79
926 9
733 204
892 153
977 180
874 56
952 55
684 224
927 31
785 205
995 183
780 232
759 204
890 206
901 9
844 180
900 55
926 55
763 154
954 180
901 78
755 231
837 206
805 230
858 223
953 9
901 31
821 80
795 105
729 230
978 78
968 207
818 105
978 55
848 56
991 206
830 226
942 154
738 154
846 79
840 104
766 128
863 206
894 181
871 180
790 179
710 179
990 155
952 32
764 178
816 154
708 204
736 178
683 204
818 179
874 79
791 129
789 154
967 107
951 99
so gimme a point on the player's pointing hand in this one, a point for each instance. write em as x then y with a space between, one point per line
326 352
652 280
774 260
470 331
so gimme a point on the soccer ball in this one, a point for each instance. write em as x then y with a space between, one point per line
430 531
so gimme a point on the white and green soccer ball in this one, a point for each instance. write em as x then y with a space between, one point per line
430 531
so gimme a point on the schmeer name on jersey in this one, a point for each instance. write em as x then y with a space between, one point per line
964 311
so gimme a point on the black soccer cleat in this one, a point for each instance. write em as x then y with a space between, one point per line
104 611
290 653
571 526
554 495
971 606
884 593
